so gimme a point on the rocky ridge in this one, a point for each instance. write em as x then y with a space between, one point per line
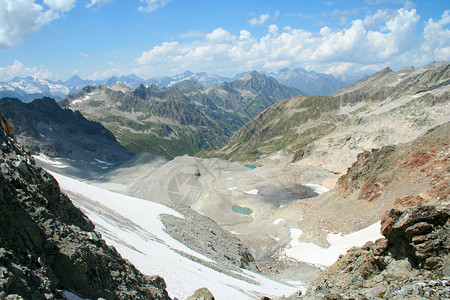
48 248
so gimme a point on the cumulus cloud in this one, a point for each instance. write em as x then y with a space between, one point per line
437 39
259 20
152 5
18 69
19 18
384 38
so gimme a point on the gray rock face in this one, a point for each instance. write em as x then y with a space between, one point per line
412 262
48 246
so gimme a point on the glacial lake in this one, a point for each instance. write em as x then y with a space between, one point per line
250 166
241 210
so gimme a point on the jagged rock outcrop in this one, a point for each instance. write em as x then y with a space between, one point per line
411 262
48 247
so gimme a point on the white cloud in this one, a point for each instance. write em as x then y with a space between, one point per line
60 5
325 30
384 38
98 3
277 14
219 35
436 39
378 19
19 18
244 35
273 29
18 69
85 55
259 20
152 5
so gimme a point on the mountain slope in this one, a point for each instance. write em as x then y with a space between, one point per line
331 131
48 247
45 128
162 122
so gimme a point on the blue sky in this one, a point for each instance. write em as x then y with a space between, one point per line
98 38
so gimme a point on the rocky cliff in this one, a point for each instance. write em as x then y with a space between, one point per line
48 247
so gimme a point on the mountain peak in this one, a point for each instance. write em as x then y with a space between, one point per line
187 73
250 75
75 77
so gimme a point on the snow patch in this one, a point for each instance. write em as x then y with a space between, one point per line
275 238
277 221
319 189
251 192
339 244
103 162
46 160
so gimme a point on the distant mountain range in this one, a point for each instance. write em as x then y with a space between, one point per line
181 119
29 88
312 83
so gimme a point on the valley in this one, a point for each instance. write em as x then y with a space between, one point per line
250 188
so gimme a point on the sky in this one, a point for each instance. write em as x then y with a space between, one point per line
95 39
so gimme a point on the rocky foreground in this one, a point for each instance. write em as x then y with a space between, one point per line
411 262
48 247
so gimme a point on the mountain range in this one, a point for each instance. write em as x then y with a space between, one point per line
182 119
29 88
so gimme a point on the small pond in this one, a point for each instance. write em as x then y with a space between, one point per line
250 166
241 210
